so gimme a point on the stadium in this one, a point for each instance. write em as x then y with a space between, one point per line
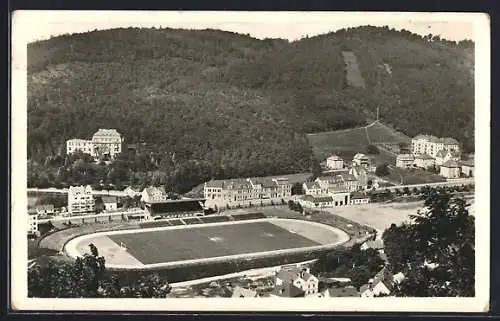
159 244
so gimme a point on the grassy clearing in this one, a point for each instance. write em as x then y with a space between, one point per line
413 176
380 133
343 142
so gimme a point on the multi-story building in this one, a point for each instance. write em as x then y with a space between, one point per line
105 142
468 168
446 155
80 200
361 176
314 189
76 144
301 278
335 162
424 161
240 190
405 160
338 183
431 145
450 169
154 194
33 224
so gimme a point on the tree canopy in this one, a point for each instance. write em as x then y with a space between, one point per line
435 251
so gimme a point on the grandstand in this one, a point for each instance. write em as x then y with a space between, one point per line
247 216
176 208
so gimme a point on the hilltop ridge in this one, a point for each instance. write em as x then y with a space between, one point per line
231 105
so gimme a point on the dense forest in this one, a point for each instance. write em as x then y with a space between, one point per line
213 104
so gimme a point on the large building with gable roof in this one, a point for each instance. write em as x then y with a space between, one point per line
104 142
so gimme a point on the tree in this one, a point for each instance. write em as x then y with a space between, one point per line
372 149
382 170
436 250
86 278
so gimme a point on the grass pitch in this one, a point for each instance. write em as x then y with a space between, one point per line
209 241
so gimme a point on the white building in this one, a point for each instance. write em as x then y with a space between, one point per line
431 145
154 194
131 192
80 200
331 200
361 160
298 277
450 169
33 224
335 162
405 160
105 142
381 284
359 172
444 155
468 168
76 144
110 203
313 188
424 161
359 198
47 209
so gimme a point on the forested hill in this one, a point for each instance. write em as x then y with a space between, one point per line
225 104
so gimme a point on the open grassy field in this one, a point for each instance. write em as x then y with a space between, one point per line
413 176
210 241
346 143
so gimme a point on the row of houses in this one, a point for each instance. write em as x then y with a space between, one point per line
241 190
295 282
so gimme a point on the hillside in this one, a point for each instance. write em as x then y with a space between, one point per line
219 104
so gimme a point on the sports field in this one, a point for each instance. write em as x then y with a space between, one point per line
173 244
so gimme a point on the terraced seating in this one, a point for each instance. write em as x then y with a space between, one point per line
215 219
247 216
192 220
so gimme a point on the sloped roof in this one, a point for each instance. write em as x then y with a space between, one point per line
358 195
364 287
360 156
335 158
451 164
384 276
240 292
469 163
423 156
319 199
405 157
311 185
109 199
348 291
264 182
441 153
347 177
152 190
106 132
288 290
448 141
235 184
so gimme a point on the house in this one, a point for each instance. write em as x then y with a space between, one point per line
110 203
424 161
82 145
431 145
328 282
361 160
450 169
33 225
444 155
131 192
44 210
468 168
240 292
313 188
154 194
338 183
381 284
334 162
359 172
300 278
359 198
80 200
287 290
311 201
340 292
405 160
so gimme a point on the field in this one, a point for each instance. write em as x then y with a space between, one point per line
413 176
346 143
167 245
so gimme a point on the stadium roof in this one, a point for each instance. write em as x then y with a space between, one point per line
451 164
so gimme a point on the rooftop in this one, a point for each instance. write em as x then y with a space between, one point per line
334 158
423 156
358 195
451 164
109 199
107 132
240 292
377 244
287 290
348 291
319 199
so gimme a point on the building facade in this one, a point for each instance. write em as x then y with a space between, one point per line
444 155
450 169
110 203
80 200
361 160
334 162
424 161
104 142
431 145
241 190
32 224
468 168
154 194
338 183
300 278
405 160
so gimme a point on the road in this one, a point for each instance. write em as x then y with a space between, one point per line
65 191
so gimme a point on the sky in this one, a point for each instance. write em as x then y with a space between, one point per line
39 25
